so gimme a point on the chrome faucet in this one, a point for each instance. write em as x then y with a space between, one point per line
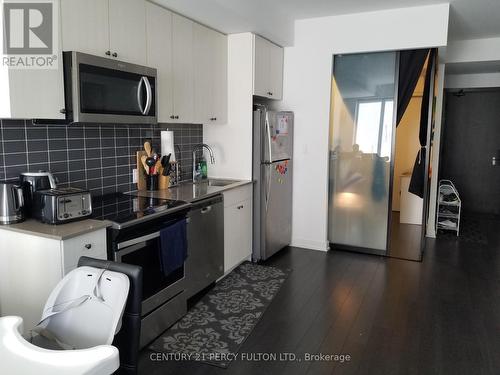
201 146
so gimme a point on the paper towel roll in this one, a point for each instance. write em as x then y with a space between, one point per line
167 144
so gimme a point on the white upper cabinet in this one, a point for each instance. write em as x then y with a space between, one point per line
182 70
276 71
203 73
85 26
127 30
220 79
268 69
32 93
210 77
112 28
159 56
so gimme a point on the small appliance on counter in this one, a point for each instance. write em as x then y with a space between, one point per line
11 202
63 205
34 181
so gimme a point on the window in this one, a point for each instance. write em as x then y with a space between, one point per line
374 127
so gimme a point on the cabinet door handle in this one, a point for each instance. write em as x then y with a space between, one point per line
172 117
88 246
239 207
269 93
176 117
107 53
63 111
116 55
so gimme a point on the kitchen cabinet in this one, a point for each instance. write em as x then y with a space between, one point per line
268 69
31 266
85 26
170 51
237 226
210 75
113 28
127 30
182 70
159 56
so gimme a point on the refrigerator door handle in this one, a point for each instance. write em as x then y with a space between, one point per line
268 184
268 134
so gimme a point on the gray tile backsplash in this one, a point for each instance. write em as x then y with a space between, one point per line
90 156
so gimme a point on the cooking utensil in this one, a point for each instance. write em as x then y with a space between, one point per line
148 148
165 162
150 162
158 167
144 164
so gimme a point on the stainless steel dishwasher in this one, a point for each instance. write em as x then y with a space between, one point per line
205 231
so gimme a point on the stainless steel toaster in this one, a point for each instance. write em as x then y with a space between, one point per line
62 205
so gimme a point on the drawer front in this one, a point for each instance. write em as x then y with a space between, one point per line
162 318
239 194
90 244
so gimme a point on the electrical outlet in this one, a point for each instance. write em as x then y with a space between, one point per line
134 176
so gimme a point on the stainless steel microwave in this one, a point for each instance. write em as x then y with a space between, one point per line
103 90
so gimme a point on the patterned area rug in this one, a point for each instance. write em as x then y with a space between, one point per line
214 329
471 230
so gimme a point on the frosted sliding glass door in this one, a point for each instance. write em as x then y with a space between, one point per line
361 145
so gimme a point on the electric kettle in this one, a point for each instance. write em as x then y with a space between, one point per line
11 202
35 181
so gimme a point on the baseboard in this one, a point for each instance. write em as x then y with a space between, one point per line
310 244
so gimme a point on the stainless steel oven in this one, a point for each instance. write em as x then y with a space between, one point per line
164 296
103 90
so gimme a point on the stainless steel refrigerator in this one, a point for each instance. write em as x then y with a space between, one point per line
272 172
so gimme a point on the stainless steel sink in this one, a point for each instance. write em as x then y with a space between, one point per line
220 182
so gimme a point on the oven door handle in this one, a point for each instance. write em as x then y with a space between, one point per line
135 241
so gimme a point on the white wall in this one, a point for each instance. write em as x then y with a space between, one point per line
473 50
307 74
479 80
232 142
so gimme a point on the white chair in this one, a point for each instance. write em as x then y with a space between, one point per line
82 313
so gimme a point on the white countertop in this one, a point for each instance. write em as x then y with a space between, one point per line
57 232
192 192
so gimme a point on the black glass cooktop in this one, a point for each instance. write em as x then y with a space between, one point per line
122 208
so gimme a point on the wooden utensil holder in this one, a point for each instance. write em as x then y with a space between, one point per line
164 182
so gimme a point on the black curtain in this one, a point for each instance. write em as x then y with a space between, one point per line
417 182
411 64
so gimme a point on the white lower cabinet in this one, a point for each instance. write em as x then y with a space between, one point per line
31 266
237 226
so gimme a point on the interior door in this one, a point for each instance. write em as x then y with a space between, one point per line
361 143
277 205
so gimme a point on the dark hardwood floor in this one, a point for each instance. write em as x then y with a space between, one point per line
391 316
405 241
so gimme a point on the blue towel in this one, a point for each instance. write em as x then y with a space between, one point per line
173 246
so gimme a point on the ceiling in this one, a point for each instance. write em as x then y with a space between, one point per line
469 19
